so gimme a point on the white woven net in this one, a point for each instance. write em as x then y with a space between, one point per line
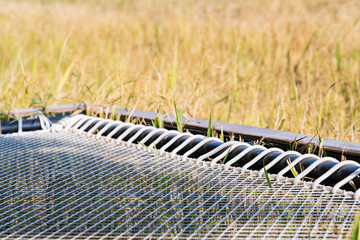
61 185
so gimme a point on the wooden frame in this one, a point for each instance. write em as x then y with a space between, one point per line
270 137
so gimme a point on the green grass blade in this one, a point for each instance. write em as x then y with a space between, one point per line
293 144
293 170
209 127
178 116
355 232
154 150
158 122
34 100
267 175
223 161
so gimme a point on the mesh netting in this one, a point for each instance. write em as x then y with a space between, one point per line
60 185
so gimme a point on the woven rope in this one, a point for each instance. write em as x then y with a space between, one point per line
107 190
86 121
67 183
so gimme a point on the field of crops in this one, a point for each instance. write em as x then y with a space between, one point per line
287 65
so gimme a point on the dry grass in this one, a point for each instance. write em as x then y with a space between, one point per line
288 65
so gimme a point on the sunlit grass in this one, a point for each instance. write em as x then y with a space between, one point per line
288 65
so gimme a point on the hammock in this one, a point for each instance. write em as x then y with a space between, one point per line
90 178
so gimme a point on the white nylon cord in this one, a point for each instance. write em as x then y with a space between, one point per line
87 188
152 133
20 125
105 128
136 135
258 157
193 200
234 209
127 131
269 214
199 145
336 188
44 122
332 220
214 151
164 175
223 154
157 193
79 123
94 168
174 139
87 200
253 188
75 121
87 124
162 136
308 215
298 178
266 236
45 200
279 176
203 204
276 160
176 204
113 132
95 127
186 142
317 182
357 194
87 121
243 153
323 213
48 123
208 207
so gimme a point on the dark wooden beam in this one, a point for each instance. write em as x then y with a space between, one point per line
273 137
278 138
53 109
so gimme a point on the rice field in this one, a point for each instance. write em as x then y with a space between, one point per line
286 65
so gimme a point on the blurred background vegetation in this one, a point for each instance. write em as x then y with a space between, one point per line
287 65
